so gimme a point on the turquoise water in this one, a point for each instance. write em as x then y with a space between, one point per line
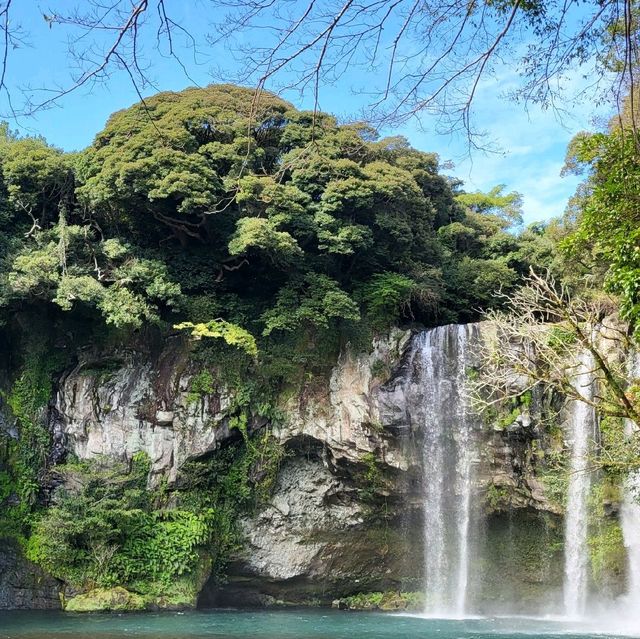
292 624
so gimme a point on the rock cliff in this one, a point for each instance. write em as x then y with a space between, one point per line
346 512
23 584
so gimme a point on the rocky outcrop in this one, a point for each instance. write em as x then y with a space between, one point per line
117 406
320 538
346 513
132 402
347 416
302 546
24 585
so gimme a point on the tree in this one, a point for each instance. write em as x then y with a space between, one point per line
536 338
607 235
208 208
505 205
178 157
220 329
536 341
314 300
70 266
286 195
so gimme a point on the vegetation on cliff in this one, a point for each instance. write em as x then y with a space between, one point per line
274 237
199 205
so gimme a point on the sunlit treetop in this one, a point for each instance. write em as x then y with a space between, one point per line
212 205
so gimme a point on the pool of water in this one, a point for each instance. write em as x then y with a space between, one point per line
292 624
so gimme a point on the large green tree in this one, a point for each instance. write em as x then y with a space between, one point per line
606 240
210 205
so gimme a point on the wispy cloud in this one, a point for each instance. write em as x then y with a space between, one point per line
532 143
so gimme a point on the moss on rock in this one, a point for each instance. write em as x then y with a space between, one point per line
608 557
388 601
116 599
519 552
182 593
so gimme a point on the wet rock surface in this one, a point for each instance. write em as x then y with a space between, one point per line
24 585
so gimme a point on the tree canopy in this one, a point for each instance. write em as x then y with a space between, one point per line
607 217
206 206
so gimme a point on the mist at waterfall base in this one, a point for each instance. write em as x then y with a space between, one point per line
439 363
283 624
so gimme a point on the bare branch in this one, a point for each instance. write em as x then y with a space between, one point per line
535 342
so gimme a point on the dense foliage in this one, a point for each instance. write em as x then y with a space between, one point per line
608 232
203 205
107 528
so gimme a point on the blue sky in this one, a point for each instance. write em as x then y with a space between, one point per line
533 142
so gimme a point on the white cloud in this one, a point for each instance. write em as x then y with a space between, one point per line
532 141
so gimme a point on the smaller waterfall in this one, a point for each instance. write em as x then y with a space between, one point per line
439 362
630 517
581 423
631 532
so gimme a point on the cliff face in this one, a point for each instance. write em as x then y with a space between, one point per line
319 537
347 511
23 584
133 403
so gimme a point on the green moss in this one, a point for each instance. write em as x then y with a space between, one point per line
202 384
472 373
375 426
501 416
622 453
387 601
554 476
371 477
106 600
380 369
607 553
519 551
526 399
505 420
103 369
23 461
559 338
498 498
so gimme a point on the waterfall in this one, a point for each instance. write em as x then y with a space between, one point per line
631 533
581 432
439 360
630 516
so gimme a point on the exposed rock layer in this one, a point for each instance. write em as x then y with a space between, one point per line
327 532
22 583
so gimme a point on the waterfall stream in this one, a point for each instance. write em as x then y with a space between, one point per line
440 357
581 432
630 516
630 520
450 433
